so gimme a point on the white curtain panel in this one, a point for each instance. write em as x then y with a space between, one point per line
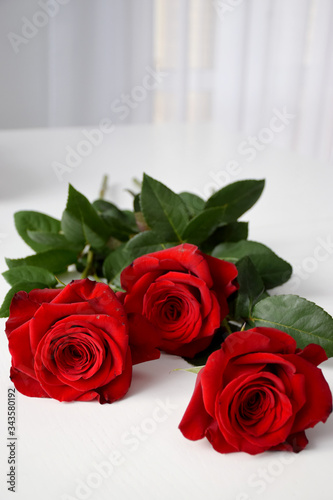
251 65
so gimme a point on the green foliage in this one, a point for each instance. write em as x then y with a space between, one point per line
164 211
305 321
273 270
102 239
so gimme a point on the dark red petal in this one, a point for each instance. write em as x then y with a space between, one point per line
108 335
185 257
48 372
192 281
61 392
27 385
195 420
98 297
48 314
187 350
187 326
243 437
81 290
213 320
24 305
147 264
297 441
133 301
255 362
19 347
217 440
211 379
318 405
224 273
88 396
280 342
119 386
143 339
113 327
235 345
313 353
121 296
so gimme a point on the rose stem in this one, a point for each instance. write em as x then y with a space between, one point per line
89 267
226 326
103 187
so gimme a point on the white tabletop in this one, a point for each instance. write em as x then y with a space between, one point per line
133 448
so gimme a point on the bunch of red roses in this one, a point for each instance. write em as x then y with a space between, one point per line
256 392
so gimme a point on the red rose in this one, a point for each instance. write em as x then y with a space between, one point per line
70 344
179 296
257 393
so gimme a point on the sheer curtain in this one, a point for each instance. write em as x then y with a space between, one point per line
235 62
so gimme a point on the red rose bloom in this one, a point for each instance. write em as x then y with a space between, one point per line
258 392
70 344
179 295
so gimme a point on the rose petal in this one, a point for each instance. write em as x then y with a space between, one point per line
119 386
191 281
27 385
195 420
20 349
313 353
227 408
133 301
217 440
318 404
48 314
185 257
143 339
224 274
24 305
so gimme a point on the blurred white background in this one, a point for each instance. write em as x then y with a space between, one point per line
233 62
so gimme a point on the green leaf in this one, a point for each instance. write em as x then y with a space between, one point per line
29 273
144 243
251 288
195 369
130 218
105 206
55 261
273 270
194 203
81 223
23 286
303 320
107 209
203 225
234 231
236 198
53 240
26 221
115 262
118 229
137 203
164 211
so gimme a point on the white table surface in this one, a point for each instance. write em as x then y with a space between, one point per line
61 444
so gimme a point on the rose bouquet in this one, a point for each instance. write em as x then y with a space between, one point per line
174 274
